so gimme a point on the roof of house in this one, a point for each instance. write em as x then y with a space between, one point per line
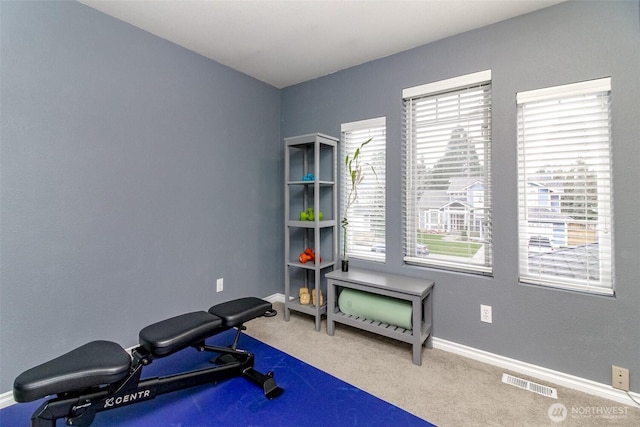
459 184
581 262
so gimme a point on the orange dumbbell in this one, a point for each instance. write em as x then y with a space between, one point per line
308 255
304 258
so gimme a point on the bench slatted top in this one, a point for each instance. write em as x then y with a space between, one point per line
390 282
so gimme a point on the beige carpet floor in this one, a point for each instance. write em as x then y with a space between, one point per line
447 390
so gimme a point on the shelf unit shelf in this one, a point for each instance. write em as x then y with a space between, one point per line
314 154
311 224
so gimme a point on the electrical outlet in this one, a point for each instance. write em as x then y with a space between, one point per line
219 285
619 378
485 313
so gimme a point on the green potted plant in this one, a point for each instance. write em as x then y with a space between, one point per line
355 173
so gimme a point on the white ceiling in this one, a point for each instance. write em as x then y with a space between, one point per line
284 42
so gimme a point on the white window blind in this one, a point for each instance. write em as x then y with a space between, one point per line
565 187
365 237
446 179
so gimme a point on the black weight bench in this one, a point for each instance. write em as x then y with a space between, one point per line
101 375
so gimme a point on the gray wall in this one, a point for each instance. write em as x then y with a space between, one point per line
134 174
570 332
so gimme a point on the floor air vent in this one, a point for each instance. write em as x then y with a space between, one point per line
531 386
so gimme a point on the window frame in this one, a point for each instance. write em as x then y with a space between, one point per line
552 111
481 262
361 130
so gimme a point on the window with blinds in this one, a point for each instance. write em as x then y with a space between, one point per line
446 177
365 236
565 187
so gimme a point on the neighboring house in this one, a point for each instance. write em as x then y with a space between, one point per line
544 213
459 208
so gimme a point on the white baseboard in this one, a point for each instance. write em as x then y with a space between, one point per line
6 399
275 298
559 378
555 377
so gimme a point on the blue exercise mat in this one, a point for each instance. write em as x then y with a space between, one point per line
311 397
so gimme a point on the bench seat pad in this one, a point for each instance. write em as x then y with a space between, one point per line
170 335
236 312
90 365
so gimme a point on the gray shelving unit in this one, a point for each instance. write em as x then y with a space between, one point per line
316 154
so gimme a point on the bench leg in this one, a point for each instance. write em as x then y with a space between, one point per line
417 354
427 308
268 384
331 308
416 320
